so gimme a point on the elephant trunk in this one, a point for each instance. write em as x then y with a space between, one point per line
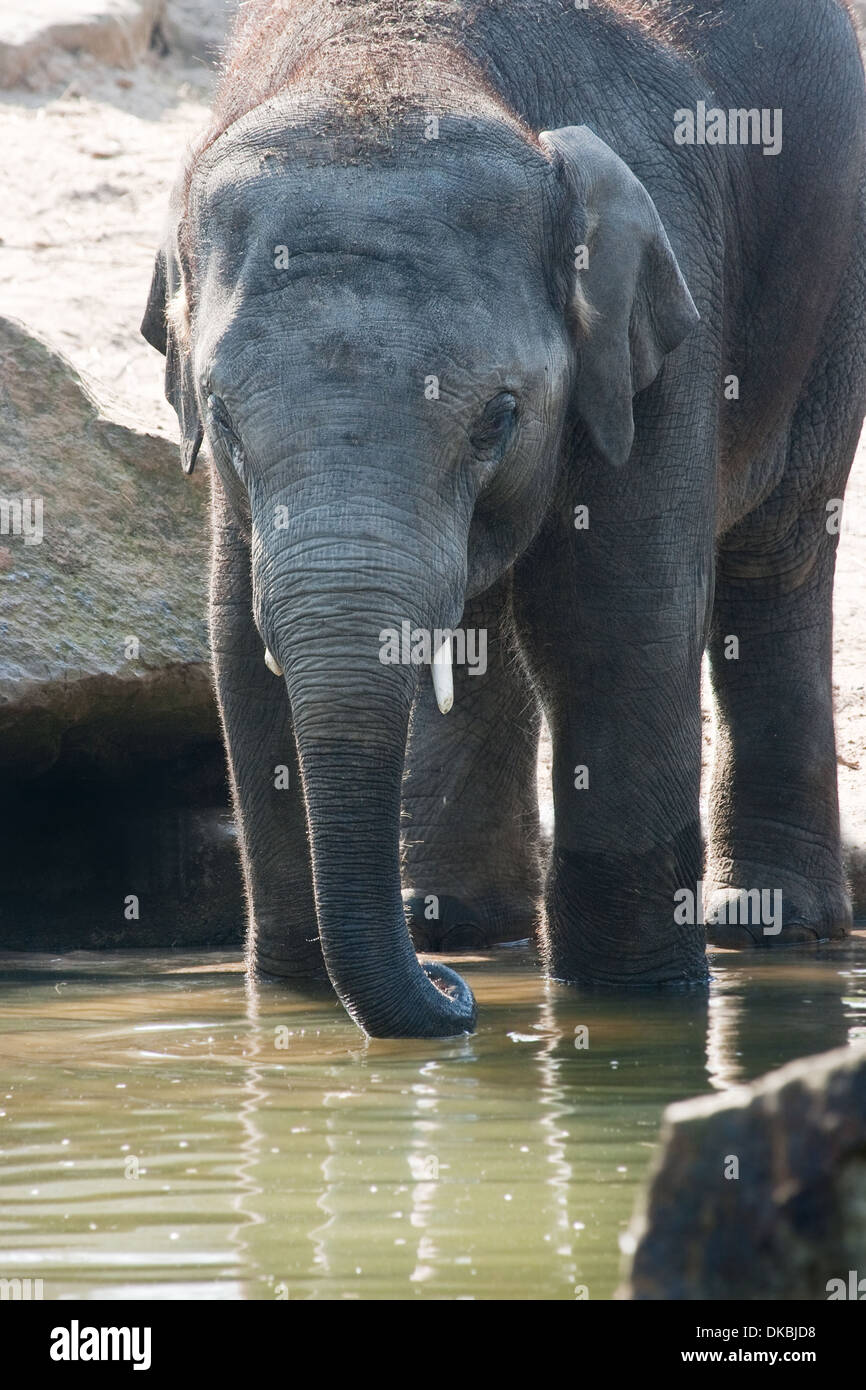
353 805
351 720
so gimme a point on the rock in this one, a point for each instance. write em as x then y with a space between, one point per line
198 28
111 763
794 1218
102 606
111 31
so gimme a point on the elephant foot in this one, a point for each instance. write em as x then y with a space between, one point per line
738 919
609 919
442 923
270 958
268 968
593 962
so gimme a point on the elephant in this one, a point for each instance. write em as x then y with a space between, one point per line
545 323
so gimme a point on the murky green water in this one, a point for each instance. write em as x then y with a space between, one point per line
168 1131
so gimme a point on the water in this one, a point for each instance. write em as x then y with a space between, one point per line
168 1131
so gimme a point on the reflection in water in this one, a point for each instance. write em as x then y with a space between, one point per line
745 1021
724 1020
554 1103
248 1201
169 1130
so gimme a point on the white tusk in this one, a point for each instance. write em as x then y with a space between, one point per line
443 677
272 664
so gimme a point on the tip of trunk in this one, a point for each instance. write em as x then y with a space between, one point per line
439 1004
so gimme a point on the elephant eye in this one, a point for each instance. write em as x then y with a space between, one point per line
221 422
494 429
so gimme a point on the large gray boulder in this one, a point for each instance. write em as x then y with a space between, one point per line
111 765
103 604
760 1192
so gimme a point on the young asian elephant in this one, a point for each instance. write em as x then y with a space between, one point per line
546 324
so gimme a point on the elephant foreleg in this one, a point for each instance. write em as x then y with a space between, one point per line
266 784
471 835
612 618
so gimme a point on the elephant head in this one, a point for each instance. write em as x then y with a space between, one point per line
385 347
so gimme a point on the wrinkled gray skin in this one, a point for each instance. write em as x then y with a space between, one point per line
453 257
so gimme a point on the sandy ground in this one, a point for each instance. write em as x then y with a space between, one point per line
88 164
88 167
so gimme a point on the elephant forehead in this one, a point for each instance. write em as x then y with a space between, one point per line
483 190
326 268
341 339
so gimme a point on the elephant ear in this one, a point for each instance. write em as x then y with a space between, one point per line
166 327
636 305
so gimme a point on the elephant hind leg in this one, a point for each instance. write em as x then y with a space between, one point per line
774 875
774 815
